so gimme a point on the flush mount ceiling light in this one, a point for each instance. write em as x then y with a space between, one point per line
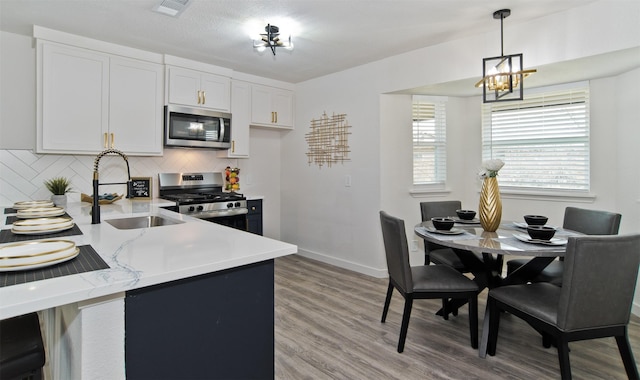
502 77
271 39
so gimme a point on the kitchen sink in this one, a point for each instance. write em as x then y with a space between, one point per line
142 222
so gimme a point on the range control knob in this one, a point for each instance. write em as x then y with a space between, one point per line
229 205
191 208
200 208
237 204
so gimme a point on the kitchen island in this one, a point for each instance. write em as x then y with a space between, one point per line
84 314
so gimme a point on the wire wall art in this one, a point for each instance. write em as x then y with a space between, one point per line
328 140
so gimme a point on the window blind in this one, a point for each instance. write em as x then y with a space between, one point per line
429 142
543 140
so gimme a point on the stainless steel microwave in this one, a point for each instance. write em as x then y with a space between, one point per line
196 128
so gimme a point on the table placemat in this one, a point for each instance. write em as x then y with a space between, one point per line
87 260
13 218
6 236
10 210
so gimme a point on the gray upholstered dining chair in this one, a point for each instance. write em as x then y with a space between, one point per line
589 305
434 253
588 222
422 282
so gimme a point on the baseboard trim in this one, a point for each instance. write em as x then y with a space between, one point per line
378 273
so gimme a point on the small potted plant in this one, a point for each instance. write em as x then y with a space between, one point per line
59 187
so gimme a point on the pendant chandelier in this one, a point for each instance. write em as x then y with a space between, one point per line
271 39
502 77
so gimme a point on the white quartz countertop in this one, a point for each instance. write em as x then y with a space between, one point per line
140 257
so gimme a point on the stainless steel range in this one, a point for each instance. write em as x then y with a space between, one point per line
200 195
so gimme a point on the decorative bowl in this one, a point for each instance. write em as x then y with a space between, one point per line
535 220
541 232
442 223
466 214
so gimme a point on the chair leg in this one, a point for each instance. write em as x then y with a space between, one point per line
408 303
387 301
494 325
473 320
445 309
627 356
563 358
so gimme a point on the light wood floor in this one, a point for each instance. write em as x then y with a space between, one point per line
328 327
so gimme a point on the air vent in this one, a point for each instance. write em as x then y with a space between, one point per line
172 7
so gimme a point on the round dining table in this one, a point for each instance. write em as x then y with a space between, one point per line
490 248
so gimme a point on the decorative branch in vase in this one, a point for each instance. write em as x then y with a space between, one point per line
490 208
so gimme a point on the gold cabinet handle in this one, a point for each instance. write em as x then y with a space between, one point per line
199 97
276 116
204 97
113 138
233 146
104 143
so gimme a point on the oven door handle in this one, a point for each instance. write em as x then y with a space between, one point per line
221 213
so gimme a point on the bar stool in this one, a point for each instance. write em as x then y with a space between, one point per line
21 348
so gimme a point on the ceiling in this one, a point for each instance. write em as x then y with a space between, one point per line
329 35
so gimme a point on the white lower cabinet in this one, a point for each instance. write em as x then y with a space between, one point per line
89 101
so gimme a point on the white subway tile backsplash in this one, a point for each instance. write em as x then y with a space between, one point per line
22 172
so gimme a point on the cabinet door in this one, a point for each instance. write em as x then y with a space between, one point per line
184 86
282 101
135 106
240 120
216 92
261 110
74 101
271 107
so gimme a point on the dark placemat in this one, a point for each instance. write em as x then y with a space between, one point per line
6 236
87 260
10 210
13 218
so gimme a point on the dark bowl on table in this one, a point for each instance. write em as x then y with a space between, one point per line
466 214
444 224
535 220
541 232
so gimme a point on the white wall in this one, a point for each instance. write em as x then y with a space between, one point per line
340 225
22 172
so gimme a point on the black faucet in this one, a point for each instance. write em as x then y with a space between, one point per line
95 209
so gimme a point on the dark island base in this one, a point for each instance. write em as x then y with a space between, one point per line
215 326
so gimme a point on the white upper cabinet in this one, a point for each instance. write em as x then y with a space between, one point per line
74 102
89 101
199 89
240 120
271 107
135 106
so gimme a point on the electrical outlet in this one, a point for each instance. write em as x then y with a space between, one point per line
347 181
414 245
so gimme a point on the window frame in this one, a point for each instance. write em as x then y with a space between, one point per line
533 97
439 145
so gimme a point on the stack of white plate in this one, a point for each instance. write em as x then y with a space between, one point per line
40 212
36 254
41 226
32 204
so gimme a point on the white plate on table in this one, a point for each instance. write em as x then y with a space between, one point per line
40 212
32 204
36 254
467 221
524 225
41 225
528 239
453 231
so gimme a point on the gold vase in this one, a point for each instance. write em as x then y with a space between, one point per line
490 209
